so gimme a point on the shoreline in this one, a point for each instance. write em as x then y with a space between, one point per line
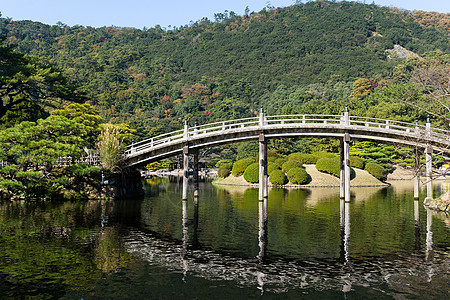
318 180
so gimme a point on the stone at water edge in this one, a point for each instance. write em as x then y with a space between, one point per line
441 204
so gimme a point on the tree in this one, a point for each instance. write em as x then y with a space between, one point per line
434 79
109 148
26 84
361 88
33 151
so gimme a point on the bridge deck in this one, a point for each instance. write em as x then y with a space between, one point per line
386 131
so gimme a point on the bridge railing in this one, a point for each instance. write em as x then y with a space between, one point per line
400 126
303 119
387 124
222 126
441 133
174 136
280 120
154 141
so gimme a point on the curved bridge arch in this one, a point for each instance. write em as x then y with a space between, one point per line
334 126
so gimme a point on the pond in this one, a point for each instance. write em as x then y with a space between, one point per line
300 243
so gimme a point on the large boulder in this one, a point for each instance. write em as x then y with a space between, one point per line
442 203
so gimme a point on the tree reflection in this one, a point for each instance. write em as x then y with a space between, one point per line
48 247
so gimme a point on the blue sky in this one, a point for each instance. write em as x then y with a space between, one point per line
148 13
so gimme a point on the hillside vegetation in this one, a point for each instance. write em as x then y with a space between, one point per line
306 58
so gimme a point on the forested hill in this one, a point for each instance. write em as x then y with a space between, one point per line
312 57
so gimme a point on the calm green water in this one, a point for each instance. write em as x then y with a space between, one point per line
298 244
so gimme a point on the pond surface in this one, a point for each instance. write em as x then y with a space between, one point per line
298 244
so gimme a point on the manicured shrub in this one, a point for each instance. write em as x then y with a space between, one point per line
329 165
223 162
298 176
323 154
376 171
225 170
272 154
280 161
370 161
242 164
304 158
277 177
291 164
271 158
357 162
272 166
251 173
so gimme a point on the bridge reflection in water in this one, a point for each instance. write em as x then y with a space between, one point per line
191 259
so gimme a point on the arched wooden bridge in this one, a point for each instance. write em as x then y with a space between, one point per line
344 127
361 128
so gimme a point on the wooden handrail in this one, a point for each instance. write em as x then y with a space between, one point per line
224 127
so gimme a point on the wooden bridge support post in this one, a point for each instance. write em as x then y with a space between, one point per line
342 164
345 232
346 116
263 186
429 237
416 212
195 223
266 175
347 167
185 239
195 174
185 171
417 175
262 232
429 164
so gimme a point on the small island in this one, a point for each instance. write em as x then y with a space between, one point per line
320 169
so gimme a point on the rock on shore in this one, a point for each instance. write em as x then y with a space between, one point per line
442 203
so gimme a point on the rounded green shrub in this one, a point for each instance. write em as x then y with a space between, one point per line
251 173
225 170
322 154
277 177
272 166
376 171
224 162
280 161
329 165
242 164
298 176
291 164
271 159
357 162
304 158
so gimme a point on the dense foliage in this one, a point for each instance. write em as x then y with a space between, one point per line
329 165
357 162
271 166
28 86
291 164
305 58
304 158
298 176
323 154
251 173
277 177
242 164
33 151
376 171
42 156
225 169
